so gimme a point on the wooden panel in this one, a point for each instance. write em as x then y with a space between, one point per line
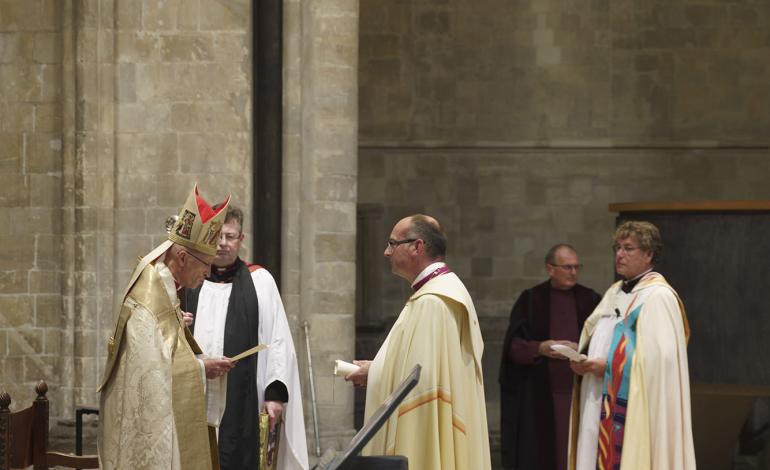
690 206
718 412
719 263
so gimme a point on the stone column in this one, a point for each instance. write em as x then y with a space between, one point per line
88 195
320 174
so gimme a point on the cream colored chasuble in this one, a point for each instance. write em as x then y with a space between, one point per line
442 423
658 430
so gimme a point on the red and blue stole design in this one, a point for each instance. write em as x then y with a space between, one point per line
617 376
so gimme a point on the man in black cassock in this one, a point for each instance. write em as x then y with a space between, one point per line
535 381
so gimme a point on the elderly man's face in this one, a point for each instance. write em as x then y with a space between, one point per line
195 268
564 271
230 239
630 260
399 250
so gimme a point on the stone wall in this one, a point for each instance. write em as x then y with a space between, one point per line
516 123
31 260
564 73
111 111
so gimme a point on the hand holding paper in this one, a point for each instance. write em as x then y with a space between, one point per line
356 373
343 369
568 352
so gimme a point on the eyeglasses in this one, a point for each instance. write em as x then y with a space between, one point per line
568 267
208 265
394 243
627 249
230 237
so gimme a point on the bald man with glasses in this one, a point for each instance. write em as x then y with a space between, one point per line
535 380
442 422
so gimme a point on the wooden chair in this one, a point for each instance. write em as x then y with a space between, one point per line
24 437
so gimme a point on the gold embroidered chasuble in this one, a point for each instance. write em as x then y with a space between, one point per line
442 423
153 403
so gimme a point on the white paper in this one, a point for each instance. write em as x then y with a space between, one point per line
249 352
342 368
569 352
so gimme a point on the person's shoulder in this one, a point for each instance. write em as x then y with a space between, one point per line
254 267
448 286
258 272
261 276
661 291
537 291
543 287
436 307
431 300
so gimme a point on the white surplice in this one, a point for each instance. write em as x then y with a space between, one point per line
278 362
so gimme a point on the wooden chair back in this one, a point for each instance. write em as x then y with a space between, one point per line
24 437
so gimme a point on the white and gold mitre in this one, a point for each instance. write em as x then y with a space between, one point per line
198 224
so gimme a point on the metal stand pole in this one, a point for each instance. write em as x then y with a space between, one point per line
312 391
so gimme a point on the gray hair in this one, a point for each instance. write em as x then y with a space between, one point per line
550 257
428 230
645 233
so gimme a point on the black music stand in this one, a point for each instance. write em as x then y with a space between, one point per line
345 458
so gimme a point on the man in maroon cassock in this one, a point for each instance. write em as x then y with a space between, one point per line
536 381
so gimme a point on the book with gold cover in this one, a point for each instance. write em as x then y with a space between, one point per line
268 442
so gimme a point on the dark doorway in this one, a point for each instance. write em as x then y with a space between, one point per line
267 118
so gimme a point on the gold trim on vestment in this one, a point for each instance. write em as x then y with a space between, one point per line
424 398
429 397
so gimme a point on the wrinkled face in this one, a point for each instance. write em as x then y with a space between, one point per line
195 267
630 260
564 271
230 239
399 251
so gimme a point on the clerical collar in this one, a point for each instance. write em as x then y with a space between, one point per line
225 274
629 285
431 271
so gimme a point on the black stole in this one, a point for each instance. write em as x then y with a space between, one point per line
239 430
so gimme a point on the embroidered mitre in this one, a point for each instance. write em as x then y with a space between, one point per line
198 225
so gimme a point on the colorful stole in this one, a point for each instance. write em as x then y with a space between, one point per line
617 376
